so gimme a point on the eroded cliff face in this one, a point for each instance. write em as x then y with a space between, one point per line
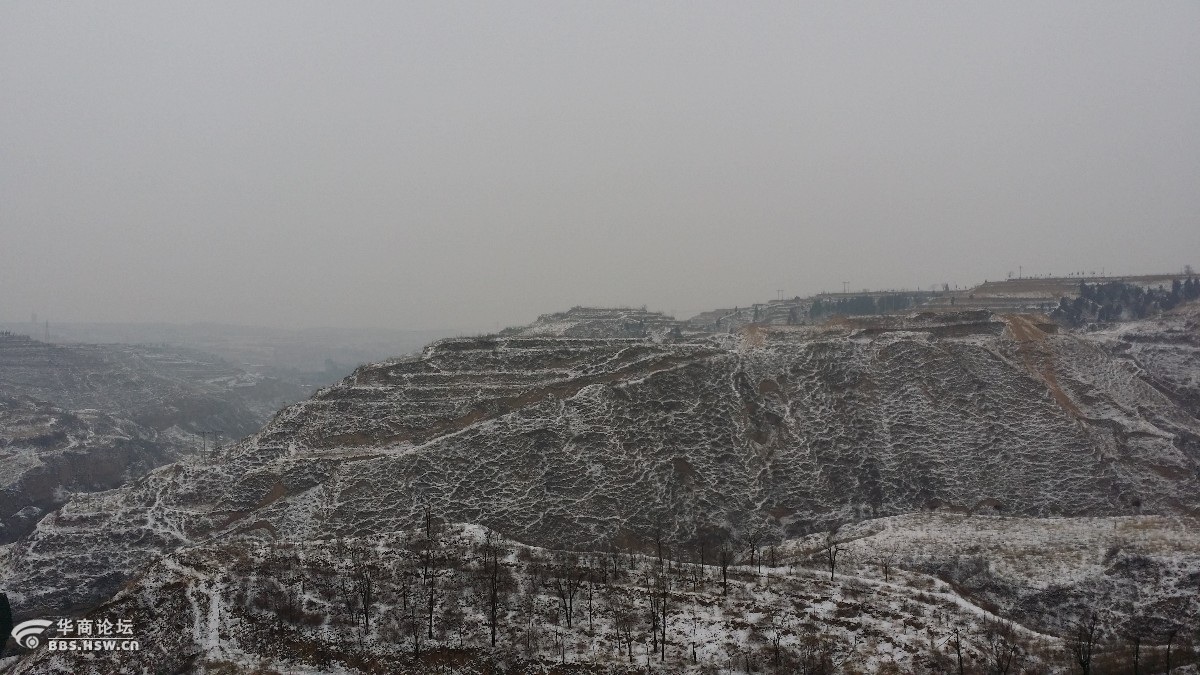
579 442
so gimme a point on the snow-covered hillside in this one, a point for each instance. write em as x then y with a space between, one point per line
691 441
83 418
429 599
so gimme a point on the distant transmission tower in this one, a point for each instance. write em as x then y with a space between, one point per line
204 440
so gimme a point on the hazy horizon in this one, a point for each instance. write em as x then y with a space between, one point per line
458 166
1089 276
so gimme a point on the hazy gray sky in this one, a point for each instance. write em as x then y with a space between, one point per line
450 164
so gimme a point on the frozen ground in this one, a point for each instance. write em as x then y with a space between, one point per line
1011 474
299 606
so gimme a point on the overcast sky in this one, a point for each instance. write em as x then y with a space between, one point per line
455 165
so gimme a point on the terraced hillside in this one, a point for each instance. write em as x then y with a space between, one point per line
83 418
154 386
47 453
592 322
592 442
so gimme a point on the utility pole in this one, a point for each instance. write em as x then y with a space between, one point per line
1020 271
845 286
204 439
779 293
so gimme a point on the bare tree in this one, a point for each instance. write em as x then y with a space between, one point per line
1172 631
431 597
654 614
566 582
753 538
348 591
407 579
998 643
777 620
623 617
427 544
454 620
1083 644
832 548
1136 639
956 642
413 627
887 559
364 573
815 655
591 588
429 552
606 563
725 557
491 575
662 589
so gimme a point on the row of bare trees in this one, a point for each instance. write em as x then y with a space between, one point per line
436 587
